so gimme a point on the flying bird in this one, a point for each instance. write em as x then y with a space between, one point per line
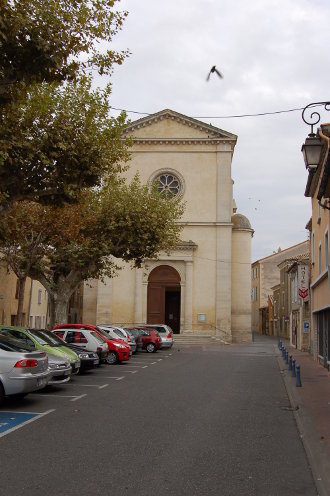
214 69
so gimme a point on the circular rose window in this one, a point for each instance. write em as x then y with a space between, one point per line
168 184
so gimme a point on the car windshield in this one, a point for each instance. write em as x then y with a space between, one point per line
15 345
103 332
97 337
41 337
50 338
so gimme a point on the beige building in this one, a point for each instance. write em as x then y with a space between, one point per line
318 189
35 300
265 274
204 284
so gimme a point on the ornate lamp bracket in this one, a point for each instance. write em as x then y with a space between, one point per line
310 117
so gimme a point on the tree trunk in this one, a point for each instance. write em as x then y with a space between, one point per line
20 305
57 310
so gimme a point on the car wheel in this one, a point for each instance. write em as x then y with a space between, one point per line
150 347
2 394
112 358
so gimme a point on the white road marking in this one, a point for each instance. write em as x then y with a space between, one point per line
115 377
86 385
135 366
79 397
145 367
37 417
145 361
130 371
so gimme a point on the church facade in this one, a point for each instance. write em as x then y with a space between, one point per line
204 285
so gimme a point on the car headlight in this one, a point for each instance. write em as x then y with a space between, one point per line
83 355
119 345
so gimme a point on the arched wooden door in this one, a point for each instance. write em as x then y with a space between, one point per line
164 297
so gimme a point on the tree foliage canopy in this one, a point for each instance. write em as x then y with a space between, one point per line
88 239
58 140
52 40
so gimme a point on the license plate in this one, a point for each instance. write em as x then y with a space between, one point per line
41 382
67 372
96 362
74 365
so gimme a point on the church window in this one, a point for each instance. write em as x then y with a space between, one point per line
168 184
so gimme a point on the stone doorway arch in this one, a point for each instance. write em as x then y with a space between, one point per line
164 297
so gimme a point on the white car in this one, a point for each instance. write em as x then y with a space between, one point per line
120 333
84 338
165 333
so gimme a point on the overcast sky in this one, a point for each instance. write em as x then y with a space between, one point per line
274 55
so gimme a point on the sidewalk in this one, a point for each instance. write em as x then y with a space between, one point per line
311 408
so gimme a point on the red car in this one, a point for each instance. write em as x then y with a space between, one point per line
146 339
119 351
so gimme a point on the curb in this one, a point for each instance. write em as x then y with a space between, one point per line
317 454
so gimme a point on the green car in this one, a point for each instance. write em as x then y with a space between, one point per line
41 339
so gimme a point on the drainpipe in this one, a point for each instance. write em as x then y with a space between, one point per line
30 302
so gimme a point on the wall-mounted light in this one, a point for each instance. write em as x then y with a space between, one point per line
312 150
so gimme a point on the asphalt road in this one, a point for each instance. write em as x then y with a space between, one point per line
198 421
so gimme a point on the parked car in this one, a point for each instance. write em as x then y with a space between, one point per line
84 337
147 339
22 369
60 370
119 333
118 351
88 359
165 333
41 339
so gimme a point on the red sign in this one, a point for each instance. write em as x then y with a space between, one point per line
303 293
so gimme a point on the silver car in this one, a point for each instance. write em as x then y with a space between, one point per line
119 333
60 370
21 370
165 333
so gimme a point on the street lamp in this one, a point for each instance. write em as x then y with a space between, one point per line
312 148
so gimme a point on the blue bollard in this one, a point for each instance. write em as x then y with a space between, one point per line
283 353
293 373
286 357
298 379
290 362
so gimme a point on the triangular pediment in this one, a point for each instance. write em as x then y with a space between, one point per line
170 125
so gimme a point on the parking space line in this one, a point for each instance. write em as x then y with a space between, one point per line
145 361
115 377
153 363
36 416
145 367
79 397
53 395
129 371
86 385
135 366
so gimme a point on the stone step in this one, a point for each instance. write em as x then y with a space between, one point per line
182 340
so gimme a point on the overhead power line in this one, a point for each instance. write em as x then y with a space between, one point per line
218 116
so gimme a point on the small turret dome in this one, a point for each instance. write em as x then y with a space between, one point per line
240 222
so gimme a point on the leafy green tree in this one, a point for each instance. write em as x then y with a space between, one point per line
57 141
53 40
86 240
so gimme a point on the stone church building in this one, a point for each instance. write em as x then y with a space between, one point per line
204 285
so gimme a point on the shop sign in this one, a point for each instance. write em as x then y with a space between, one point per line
303 278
